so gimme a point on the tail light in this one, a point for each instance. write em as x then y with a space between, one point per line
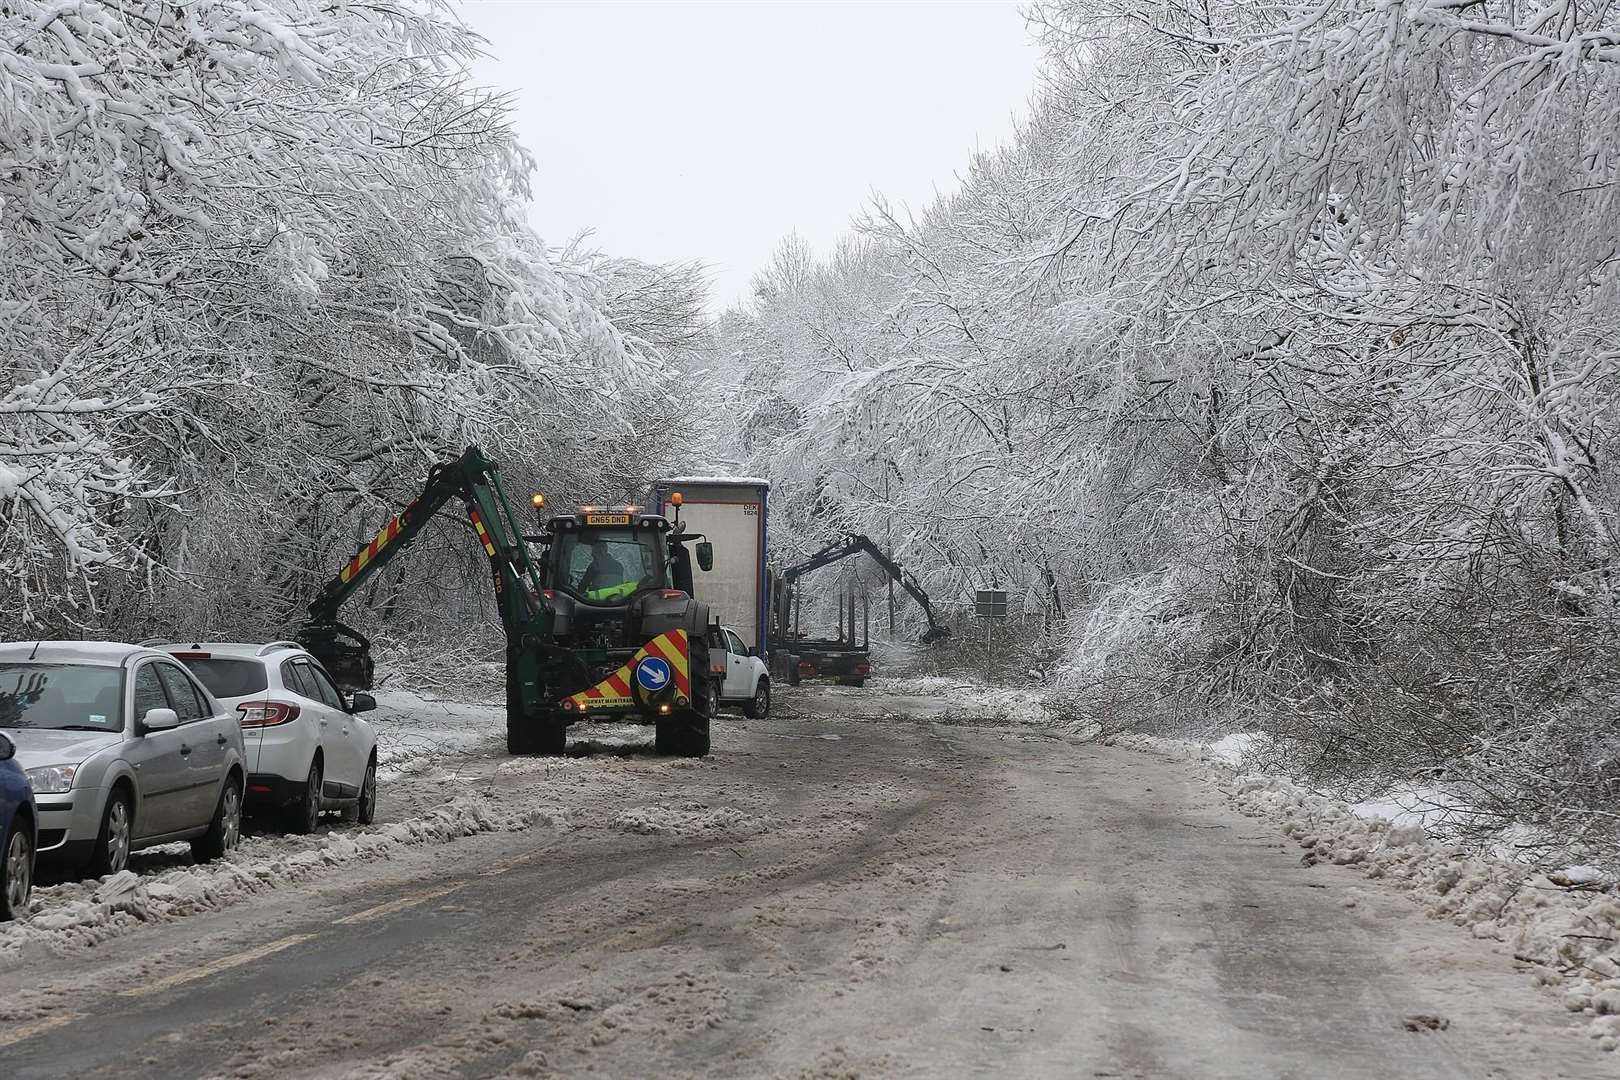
806 668
267 713
671 594
551 594
863 669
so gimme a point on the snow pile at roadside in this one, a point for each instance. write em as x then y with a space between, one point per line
1441 813
1566 922
965 701
85 913
688 819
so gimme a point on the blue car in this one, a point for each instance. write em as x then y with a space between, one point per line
18 836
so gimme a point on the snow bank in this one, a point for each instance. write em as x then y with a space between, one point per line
1435 810
965 701
688 819
1235 749
85 913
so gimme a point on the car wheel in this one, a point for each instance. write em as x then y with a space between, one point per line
226 827
16 871
364 810
306 815
111 852
759 706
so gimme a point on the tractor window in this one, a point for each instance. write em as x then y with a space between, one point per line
607 565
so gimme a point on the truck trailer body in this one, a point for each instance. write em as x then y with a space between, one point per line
732 514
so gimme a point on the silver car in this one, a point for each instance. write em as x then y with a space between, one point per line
124 749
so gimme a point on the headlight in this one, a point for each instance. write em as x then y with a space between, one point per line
52 779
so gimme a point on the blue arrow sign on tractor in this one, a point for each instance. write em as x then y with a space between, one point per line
653 674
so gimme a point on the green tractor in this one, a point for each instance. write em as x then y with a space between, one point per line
599 611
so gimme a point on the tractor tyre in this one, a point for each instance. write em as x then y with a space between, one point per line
530 735
686 733
541 737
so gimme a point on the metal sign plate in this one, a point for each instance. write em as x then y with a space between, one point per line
990 603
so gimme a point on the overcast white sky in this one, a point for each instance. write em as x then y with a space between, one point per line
711 130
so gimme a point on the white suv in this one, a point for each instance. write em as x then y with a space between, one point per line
307 749
747 681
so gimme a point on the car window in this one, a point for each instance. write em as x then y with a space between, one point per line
292 674
149 693
230 676
734 644
323 686
182 698
66 697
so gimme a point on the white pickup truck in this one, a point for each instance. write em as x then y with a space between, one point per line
747 682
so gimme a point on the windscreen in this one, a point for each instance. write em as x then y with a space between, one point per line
230 677
66 697
605 566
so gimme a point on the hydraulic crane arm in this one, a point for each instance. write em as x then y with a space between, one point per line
523 607
854 544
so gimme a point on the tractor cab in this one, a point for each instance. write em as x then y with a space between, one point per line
616 575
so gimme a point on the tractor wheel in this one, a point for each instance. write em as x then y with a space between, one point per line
542 737
530 735
686 733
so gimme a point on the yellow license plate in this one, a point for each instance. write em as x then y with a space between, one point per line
607 519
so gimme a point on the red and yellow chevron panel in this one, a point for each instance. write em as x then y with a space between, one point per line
613 692
369 552
483 533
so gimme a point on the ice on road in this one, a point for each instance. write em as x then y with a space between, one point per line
856 887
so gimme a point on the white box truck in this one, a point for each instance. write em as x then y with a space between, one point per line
732 513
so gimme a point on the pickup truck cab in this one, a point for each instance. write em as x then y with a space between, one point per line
746 681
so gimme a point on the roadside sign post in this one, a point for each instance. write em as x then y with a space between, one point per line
990 604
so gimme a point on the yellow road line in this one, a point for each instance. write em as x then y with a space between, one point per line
510 864
234 960
37 1027
391 906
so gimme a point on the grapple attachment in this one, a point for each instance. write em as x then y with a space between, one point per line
934 634
344 652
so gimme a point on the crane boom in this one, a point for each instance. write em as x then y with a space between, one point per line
855 544
474 478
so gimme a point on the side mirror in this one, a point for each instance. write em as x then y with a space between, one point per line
362 703
705 555
8 749
754 652
160 720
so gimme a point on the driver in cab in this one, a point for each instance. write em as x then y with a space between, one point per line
605 577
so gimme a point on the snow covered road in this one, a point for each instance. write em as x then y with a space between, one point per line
829 894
